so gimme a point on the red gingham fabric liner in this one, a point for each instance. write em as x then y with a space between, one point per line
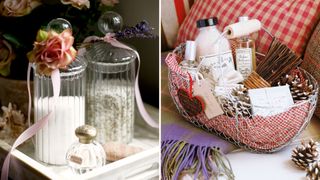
259 134
173 64
291 21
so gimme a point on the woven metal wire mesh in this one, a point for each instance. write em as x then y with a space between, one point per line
255 133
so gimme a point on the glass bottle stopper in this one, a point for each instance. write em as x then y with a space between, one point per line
59 25
86 134
110 22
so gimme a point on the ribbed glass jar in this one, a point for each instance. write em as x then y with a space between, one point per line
110 92
53 141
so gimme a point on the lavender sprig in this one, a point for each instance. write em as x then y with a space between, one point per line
141 30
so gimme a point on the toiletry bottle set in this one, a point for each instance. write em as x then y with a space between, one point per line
211 50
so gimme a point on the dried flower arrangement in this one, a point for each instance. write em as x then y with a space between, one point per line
12 123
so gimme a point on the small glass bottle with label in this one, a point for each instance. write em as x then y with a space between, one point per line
189 64
86 154
245 53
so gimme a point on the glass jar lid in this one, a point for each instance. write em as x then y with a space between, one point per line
76 67
105 53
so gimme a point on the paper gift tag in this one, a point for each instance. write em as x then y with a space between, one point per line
212 106
270 101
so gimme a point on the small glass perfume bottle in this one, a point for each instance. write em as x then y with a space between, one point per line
245 53
87 154
189 64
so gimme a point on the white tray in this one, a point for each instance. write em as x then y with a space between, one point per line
143 165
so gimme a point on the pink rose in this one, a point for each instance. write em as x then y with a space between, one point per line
77 3
6 56
109 2
52 51
18 8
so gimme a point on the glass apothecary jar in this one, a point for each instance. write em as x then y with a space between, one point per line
110 91
53 141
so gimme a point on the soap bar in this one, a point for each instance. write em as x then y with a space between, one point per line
116 150
270 101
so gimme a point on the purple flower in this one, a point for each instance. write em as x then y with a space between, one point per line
141 30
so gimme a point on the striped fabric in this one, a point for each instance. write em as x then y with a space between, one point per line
291 21
173 13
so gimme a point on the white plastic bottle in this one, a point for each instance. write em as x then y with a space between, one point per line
207 39
214 54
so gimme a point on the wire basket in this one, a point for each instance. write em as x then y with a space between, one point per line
256 133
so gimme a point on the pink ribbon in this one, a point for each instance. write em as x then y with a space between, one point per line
110 39
32 130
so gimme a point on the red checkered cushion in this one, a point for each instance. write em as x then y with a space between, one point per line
291 21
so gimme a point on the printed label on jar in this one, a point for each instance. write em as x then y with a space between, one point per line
76 159
244 61
213 68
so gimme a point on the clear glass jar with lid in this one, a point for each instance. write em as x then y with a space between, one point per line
110 87
53 141
65 112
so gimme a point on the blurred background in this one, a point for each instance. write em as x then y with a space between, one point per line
19 24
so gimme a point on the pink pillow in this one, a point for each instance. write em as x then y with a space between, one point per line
291 21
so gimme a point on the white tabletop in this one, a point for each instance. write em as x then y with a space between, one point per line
276 166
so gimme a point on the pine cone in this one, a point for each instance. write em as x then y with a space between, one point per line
313 171
305 154
300 88
241 106
242 93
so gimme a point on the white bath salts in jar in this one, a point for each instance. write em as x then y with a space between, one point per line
67 112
